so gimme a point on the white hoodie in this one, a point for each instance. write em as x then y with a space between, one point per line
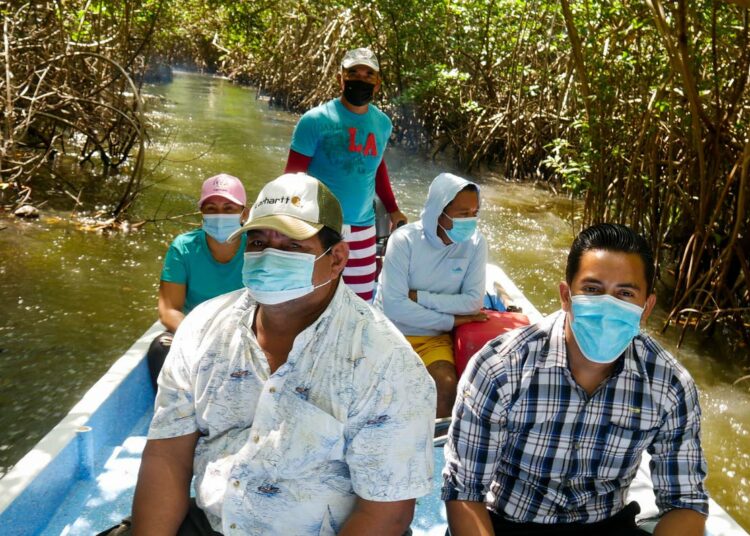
449 280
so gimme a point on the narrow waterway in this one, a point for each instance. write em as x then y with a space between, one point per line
73 301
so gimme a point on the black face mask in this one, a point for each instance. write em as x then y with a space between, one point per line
358 92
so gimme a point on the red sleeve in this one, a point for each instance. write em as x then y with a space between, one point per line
297 162
383 188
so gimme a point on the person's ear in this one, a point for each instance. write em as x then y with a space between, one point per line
648 308
378 84
340 80
565 298
339 256
243 216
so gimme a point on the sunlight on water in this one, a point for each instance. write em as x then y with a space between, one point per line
74 301
726 436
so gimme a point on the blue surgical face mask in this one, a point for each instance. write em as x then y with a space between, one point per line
603 326
220 226
463 228
273 276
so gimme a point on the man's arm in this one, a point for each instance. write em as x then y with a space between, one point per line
163 491
469 300
371 518
458 320
468 518
681 521
678 466
297 162
472 452
394 284
385 193
171 302
391 462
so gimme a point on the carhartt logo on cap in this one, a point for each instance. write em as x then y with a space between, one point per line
273 201
296 201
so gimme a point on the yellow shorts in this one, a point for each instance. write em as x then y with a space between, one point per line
432 348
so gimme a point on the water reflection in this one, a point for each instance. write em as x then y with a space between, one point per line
74 301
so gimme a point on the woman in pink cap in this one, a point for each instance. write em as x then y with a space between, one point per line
201 264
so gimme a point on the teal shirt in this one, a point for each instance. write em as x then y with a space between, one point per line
189 262
346 150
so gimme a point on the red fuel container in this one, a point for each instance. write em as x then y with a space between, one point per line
469 338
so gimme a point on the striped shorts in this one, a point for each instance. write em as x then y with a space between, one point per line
359 274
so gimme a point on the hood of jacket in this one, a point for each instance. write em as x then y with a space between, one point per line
442 191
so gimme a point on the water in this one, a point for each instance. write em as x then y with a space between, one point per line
73 301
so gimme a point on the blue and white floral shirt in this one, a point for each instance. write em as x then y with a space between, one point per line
350 414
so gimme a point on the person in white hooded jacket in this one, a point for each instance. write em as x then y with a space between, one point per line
433 278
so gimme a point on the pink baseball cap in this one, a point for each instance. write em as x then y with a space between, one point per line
226 186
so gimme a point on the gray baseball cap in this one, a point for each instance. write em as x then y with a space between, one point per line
360 56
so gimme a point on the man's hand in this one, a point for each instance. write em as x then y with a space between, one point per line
460 320
413 296
398 219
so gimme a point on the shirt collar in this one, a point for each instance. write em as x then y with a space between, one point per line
246 307
556 351
322 322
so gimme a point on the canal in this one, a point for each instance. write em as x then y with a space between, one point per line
74 300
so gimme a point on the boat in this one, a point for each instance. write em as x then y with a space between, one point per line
80 478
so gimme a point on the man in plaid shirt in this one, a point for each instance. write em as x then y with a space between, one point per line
551 420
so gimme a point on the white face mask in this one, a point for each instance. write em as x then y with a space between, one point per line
273 276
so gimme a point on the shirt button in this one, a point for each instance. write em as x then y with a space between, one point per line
272 390
233 526
256 438
236 483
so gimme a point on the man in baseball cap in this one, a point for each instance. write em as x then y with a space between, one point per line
290 396
341 143
296 205
360 56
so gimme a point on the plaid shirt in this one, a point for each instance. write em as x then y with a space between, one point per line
535 447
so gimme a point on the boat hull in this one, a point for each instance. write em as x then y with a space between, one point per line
80 478
74 453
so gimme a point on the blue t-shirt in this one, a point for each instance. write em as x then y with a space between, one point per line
189 262
346 150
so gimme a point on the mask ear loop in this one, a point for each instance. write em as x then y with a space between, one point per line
570 299
321 255
316 260
444 229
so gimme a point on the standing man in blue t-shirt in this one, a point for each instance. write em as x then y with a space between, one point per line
201 264
341 143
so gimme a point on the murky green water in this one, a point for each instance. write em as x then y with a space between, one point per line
73 301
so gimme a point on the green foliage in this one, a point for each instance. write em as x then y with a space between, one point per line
572 166
640 108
